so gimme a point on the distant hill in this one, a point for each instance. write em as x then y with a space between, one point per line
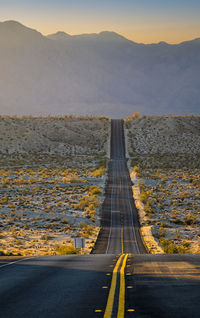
95 74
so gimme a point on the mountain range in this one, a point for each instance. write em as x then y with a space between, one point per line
95 74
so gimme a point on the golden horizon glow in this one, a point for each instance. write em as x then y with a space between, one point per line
143 35
139 35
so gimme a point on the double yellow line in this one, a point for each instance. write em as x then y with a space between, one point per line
121 302
111 296
121 305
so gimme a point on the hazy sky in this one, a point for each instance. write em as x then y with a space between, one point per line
139 20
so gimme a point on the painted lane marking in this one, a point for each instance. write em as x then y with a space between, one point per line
121 305
122 239
98 310
11 263
111 213
110 302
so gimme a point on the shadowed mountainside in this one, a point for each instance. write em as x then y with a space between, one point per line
95 74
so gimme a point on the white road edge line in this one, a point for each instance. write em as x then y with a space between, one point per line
111 218
11 263
131 210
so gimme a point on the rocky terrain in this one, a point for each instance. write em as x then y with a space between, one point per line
164 142
32 140
164 154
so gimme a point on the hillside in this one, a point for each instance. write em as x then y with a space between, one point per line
164 142
165 169
52 179
95 74
47 139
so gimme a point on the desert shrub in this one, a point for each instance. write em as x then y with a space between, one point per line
162 232
19 242
133 116
1 235
82 225
87 231
66 249
189 219
45 237
171 248
144 196
87 200
65 221
6 253
141 185
76 180
186 244
94 190
136 169
148 209
177 220
159 233
90 212
98 172
102 163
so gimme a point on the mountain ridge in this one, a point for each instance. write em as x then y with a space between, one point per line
96 74
16 26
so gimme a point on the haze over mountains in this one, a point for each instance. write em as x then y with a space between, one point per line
96 74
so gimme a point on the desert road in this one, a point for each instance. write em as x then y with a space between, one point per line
118 280
120 231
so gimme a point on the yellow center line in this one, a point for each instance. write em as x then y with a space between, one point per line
109 306
121 305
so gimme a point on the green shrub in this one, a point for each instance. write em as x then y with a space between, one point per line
66 249
87 231
148 209
2 253
144 196
86 201
98 172
171 248
136 169
94 190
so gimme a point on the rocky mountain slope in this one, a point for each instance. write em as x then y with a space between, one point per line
164 142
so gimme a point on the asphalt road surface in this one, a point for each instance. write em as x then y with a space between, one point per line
55 286
120 232
166 286
119 280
